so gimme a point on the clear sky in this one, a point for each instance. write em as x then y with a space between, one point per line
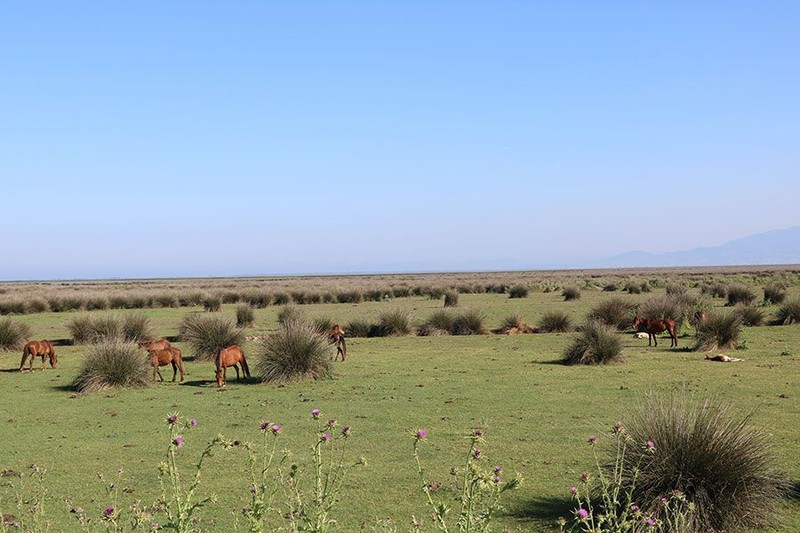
153 138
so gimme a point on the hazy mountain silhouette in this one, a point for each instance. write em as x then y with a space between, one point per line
777 247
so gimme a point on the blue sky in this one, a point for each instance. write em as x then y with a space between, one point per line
200 138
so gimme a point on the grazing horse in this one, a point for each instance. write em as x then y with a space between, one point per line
230 356
336 336
34 349
159 344
698 319
651 326
166 357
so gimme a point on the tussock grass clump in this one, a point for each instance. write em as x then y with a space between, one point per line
136 327
740 294
395 323
168 300
715 290
774 293
358 328
571 293
258 299
208 334
13 307
610 287
95 304
245 316
113 364
674 307
439 323
289 313
518 291
596 343
470 322
401 292
451 299
633 287
434 293
71 303
281 298
614 312
514 324
750 316
712 455
212 303
296 351
13 334
789 313
675 289
554 322
37 305
86 329
350 297
323 324
718 331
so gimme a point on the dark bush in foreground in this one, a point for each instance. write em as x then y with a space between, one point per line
394 323
111 365
13 334
719 331
774 293
470 322
571 293
614 312
750 316
740 294
296 351
595 344
554 322
518 291
789 313
724 467
245 316
208 334
451 299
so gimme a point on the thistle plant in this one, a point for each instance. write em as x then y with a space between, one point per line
479 488
30 493
263 484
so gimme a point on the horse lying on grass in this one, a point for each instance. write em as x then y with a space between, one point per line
34 349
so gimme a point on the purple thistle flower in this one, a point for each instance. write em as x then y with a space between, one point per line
326 437
585 476
650 446
346 431
478 433
253 489
496 480
582 513
275 428
109 512
592 439
315 413
193 422
650 522
477 453
421 434
265 425
498 469
178 441
573 490
172 419
331 423
634 508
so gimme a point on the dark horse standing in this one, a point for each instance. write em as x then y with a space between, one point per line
652 327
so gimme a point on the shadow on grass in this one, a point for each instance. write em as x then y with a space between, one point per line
794 492
61 342
543 509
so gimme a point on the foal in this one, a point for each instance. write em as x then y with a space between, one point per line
336 336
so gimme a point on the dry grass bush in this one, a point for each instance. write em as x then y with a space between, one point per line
610 287
434 293
451 299
37 305
113 364
554 322
136 327
296 351
245 317
570 293
632 287
596 343
289 313
13 306
715 289
323 324
212 303
469 322
395 323
718 331
349 297
518 291
401 292
614 312
789 313
281 298
13 334
258 299
774 293
740 294
438 323
750 316
674 307
514 324
358 328
89 329
231 297
675 289
710 453
208 334
167 300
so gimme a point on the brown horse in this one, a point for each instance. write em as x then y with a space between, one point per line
230 356
158 344
336 336
698 319
651 326
164 357
36 349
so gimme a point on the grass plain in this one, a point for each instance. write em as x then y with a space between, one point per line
536 412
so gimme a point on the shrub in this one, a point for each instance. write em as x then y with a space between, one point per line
740 294
13 334
113 364
37 306
230 297
289 313
439 323
614 312
518 291
675 289
633 287
789 313
571 293
349 297
95 304
470 322
117 301
358 328
208 334
71 303
610 287
750 316
514 324
86 329
245 317
296 350
258 299
596 343
323 324
675 308
434 293
723 467
166 300
394 323
136 327
774 293
281 298
212 303
718 331
554 321
401 292
13 307
451 299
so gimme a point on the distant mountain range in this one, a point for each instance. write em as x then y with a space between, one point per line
778 247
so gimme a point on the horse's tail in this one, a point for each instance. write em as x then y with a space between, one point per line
245 368
344 347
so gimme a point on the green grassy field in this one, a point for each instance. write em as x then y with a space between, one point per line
536 413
